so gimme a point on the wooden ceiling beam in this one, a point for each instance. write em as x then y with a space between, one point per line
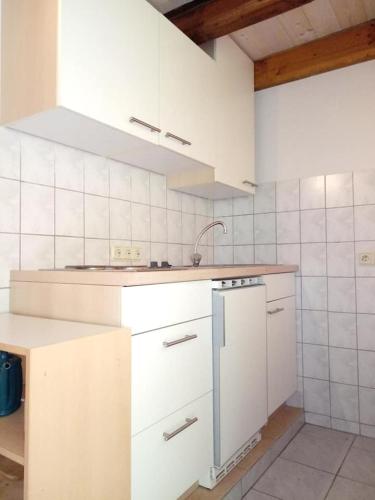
343 48
204 20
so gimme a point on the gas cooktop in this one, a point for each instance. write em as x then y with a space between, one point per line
154 266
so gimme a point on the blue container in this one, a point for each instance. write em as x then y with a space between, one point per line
10 383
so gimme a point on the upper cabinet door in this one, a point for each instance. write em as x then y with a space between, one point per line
234 116
186 98
109 63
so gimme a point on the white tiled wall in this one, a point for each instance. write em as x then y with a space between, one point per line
322 224
61 206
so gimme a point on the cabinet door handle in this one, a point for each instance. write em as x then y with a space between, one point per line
276 311
184 142
132 119
180 341
252 184
188 422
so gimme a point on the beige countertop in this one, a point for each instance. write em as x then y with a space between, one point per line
133 278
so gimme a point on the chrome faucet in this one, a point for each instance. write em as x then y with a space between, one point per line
197 257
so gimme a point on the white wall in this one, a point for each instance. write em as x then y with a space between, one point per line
320 125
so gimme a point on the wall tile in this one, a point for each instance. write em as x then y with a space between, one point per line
174 224
314 293
265 198
340 224
140 222
4 300
69 251
243 230
96 175
37 252
343 365
9 206
339 190
312 192
223 207
243 254
201 206
316 396
140 185
316 419
243 205
223 255
288 227
264 229
175 254
287 195
313 226
37 209
188 203
69 213
96 217
120 218
364 222
9 256
342 330
313 259
159 228
344 402
366 363
365 295
96 252
289 254
159 252
364 187
174 200
315 361
265 254
299 325
158 190
10 153
188 228
340 259
120 184
37 160
367 405
69 168
345 426
315 327
341 295
366 331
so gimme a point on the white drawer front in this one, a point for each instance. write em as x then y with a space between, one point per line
279 286
163 470
150 307
167 376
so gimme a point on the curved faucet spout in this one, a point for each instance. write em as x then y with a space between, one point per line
197 257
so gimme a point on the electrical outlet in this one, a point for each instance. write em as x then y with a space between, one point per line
367 258
135 253
125 253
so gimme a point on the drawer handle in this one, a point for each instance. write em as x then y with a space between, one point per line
184 142
276 311
252 184
188 422
144 124
180 341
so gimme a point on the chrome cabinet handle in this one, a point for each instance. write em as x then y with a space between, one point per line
180 341
189 421
276 311
184 142
252 184
132 119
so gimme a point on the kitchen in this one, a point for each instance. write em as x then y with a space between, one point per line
84 180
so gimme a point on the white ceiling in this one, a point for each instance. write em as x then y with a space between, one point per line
166 5
295 27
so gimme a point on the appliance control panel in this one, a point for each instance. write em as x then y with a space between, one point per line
237 282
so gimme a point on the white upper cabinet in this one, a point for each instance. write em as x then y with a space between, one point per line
109 63
186 98
235 163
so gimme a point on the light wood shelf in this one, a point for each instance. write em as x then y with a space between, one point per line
12 436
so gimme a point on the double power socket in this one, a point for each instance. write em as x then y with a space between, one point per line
125 253
367 258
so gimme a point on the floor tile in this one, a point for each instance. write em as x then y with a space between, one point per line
359 465
257 495
323 449
291 481
364 443
344 489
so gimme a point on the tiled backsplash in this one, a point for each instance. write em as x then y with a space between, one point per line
322 224
61 206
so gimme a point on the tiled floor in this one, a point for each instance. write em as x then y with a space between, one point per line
320 464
